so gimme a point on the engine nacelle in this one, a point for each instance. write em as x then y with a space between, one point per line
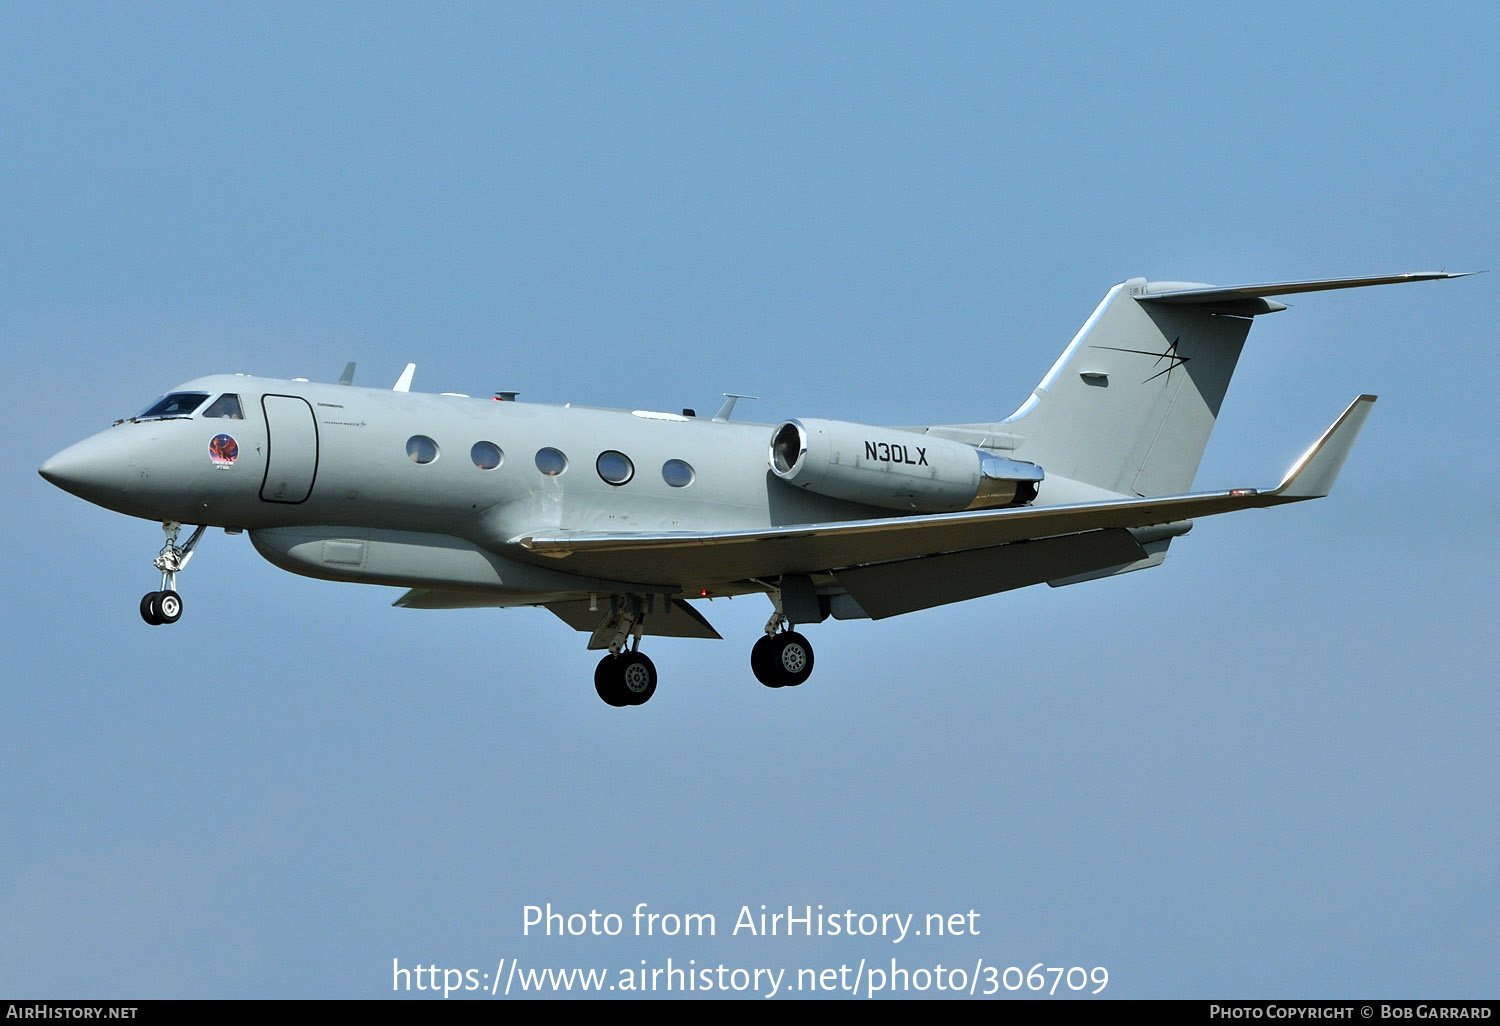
897 469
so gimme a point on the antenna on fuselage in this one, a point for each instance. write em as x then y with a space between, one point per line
347 378
403 383
730 398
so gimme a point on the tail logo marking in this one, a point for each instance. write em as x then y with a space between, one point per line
1170 355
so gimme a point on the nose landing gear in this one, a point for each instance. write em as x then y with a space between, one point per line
159 607
165 606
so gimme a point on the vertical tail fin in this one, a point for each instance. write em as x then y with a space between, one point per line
1129 405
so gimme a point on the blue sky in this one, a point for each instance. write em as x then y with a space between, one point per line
1265 769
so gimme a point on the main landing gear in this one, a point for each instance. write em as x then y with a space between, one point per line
782 658
625 679
624 676
165 606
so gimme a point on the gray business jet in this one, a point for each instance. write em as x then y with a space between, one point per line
616 519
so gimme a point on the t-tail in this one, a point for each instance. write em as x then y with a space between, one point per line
1129 405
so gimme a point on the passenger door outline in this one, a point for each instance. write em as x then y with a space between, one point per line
291 449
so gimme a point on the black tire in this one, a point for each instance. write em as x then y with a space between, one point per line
637 678
609 682
762 662
148 609
792 658
167 605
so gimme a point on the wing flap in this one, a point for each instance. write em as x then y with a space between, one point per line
680 620
889 589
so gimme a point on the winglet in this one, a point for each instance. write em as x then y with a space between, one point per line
1312 476
403 383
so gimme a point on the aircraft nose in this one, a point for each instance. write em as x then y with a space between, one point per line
95 469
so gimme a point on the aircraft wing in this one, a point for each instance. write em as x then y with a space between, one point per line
820 548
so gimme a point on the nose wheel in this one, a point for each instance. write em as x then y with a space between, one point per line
165 606
159 607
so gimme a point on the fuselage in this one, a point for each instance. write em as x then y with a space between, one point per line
340 459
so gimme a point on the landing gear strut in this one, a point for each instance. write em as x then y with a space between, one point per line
165 606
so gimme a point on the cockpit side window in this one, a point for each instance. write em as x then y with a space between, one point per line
226 406
175 404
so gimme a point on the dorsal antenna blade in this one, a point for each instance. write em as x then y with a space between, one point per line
730 398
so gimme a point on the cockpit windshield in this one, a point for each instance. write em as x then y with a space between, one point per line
176 404
226 406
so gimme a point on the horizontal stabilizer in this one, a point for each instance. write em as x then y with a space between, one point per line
1230 293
